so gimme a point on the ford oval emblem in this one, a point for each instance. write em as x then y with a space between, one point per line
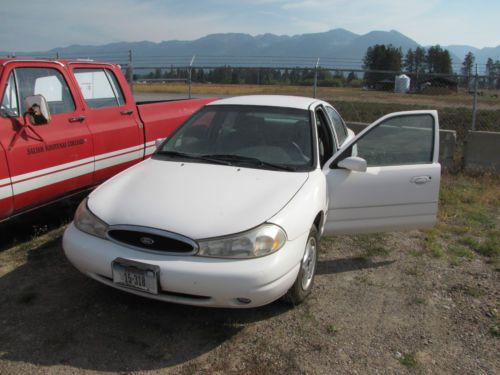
147 241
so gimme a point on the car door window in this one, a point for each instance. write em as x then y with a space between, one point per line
401 140
99 87
48 82
338 124
10 106
326 143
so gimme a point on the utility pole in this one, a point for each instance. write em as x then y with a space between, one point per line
190 70
315 78
474 104
130 71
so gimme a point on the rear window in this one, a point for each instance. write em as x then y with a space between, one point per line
99 88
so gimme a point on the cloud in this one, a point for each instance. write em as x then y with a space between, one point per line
303 4
53 23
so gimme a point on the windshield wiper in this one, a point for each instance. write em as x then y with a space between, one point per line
182 155
250 160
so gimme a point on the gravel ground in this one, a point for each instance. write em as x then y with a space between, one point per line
375 309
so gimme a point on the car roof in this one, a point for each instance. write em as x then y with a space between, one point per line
298 102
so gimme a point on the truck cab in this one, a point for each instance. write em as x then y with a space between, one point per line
94 129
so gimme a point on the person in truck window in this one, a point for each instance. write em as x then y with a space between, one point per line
36 116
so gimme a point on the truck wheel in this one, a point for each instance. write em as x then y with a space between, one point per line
302 286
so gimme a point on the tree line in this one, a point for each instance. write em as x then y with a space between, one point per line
420 63
493 73
417 62
258 76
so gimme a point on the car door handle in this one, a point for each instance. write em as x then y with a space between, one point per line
420 180
127 112
77 119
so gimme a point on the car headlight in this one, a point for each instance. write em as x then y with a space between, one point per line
258 242
87 222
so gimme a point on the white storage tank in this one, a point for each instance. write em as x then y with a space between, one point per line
402 84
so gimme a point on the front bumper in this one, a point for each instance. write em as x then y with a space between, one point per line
193 280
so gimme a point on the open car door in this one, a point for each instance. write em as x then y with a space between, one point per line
387 178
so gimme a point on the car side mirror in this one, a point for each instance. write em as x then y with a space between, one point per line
37 112
159 141
353 163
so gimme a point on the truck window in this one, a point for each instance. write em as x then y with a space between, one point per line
99 87
10 105
48 82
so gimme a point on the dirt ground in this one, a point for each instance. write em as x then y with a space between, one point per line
414 302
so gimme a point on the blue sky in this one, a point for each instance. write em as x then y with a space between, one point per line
37 25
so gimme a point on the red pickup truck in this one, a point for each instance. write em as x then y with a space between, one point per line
66 126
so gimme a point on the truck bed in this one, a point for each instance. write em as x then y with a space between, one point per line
163 117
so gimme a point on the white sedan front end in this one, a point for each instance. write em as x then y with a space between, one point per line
199 223
193 280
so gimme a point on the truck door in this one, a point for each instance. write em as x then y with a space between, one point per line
6 201
54 158
117 133
399 187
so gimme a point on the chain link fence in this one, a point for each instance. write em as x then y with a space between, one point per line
465 102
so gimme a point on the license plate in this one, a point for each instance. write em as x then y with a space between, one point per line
135 275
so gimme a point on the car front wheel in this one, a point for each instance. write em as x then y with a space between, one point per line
302 286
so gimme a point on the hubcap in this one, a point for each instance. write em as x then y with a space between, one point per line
308 263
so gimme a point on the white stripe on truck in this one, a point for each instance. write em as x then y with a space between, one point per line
44 177
5 191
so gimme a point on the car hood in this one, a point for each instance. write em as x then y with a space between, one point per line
196 200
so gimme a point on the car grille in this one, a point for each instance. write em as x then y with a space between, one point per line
153 240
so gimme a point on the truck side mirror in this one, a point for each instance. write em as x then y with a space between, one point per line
37 110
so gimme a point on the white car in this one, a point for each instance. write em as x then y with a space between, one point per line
229 210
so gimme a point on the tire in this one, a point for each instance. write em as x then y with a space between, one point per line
303 284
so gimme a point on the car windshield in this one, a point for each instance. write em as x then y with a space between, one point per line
249 136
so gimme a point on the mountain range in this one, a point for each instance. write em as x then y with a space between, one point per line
338 48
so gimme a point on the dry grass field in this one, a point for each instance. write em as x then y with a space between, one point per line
488 99
358 105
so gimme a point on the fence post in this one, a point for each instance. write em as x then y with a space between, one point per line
315 78
190 76
130 71
474 103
